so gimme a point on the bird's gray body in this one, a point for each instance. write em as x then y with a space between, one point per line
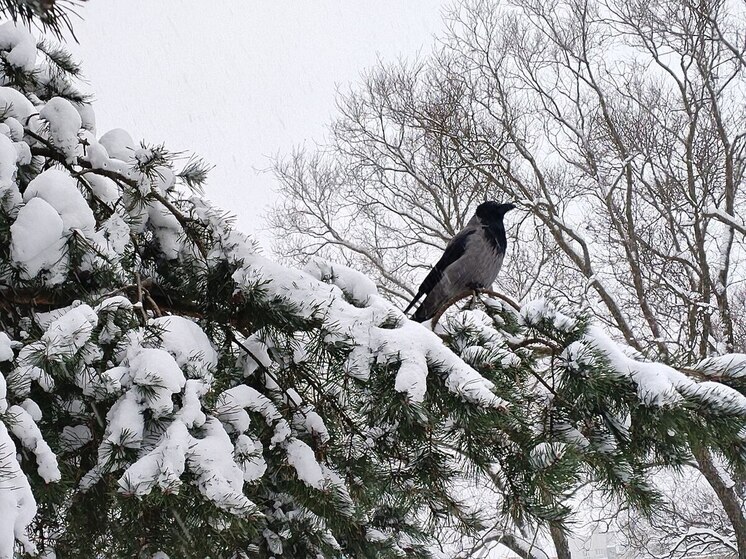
471 261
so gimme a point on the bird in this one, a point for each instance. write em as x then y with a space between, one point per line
471 261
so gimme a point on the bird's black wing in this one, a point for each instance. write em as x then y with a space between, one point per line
453 252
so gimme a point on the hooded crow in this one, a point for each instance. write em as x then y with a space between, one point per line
471 261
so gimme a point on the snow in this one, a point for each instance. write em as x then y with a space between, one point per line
51 198
209 458
659 385
167 230
301 457
248 455
68 333
412 377
104 188
218 477
17 503
158 373
730 364
33 247
186 341
8 159
118 144
25 429
14 104
544 455
6 349
125 422
533 312
64 123
15 129
32 408
414 346
60 191
191 413
578 355
180 426
20 46
314 425
161 467
231 403
3 395
355 285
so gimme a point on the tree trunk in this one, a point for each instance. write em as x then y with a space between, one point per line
520 548
726 494
561 545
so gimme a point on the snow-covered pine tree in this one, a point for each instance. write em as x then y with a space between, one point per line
166 389
589 411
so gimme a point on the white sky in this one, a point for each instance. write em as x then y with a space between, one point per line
238 82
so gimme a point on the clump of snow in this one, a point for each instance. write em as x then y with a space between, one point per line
32 408
25 429
64 123
14 104
68 333
3 395
53 199
166 229
301 457
161 467
578 355
17 503
125 422
412 377
159 376
191 413
87 116
104 188
248 455
535 312
730 364
543 455
9 194
118 144
231 403
20 46
6 349
570 435
314 425
186 341
60 191
357 286
33 247
218 476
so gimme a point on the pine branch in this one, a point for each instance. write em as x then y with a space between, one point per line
52 15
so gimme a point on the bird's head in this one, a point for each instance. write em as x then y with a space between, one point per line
492 211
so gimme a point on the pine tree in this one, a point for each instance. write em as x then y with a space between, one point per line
167 390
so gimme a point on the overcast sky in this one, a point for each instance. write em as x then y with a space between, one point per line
238 82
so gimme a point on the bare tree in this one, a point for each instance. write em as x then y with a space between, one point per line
691 522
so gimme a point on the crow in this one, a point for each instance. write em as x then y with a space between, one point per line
471 261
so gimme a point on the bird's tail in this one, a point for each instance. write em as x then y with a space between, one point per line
424 312
429 307
414 301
